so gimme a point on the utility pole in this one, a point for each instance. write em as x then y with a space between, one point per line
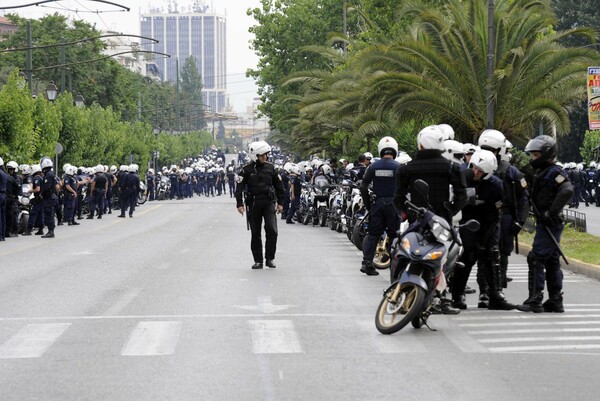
177 94
490 66
63 61
345 27
28 62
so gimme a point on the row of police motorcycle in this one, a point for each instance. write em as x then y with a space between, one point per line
421 259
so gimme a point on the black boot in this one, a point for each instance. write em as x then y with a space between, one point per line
447 307
368 269
49 234
458 302
27 232
483 301
554 303
533 303
40 231
498 302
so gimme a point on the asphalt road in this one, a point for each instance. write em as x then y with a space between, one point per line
592 217
164 306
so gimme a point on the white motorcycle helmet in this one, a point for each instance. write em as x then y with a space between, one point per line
46 163
403 157
258 148
287 167
99 168
506 155
123 167
151 171
1 162
369 155
387 145
326 169
431 137
485 161
454 151
36 168
349 166
133 168
25 169
469 148
113 169
493 140
592 164
72 170
447 130
579 166
12 164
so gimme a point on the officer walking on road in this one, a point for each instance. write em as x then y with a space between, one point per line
48 189
551 191
383 214
263 192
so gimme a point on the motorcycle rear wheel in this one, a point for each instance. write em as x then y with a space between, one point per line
418 322
401 303
322 216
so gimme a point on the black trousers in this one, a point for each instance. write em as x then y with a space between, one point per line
263 210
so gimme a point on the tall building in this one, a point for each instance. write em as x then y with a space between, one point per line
198 33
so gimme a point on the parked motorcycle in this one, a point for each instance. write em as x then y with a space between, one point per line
142 194
24 207
420 266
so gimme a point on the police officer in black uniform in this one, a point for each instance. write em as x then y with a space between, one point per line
3 186
515 205
264 197
382 213
48 189
13 191
551 191
430 166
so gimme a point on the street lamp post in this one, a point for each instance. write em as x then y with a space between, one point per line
490 66
79 101
51 91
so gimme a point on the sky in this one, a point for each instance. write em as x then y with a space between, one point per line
241 90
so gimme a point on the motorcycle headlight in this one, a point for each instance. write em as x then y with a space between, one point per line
433 255
440 232
406 245
24 200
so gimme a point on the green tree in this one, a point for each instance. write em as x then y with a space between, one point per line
282 29
191 96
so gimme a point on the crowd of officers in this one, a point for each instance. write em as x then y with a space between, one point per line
586 183
466 181
52 200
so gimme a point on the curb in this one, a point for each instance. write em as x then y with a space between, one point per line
575 265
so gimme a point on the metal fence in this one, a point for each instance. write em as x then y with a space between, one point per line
573 217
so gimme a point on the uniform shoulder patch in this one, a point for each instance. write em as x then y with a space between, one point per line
523 183
560 179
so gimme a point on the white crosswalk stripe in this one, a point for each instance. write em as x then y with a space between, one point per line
274 337
531 332
153 338
32 340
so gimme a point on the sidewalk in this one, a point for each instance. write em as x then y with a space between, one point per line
576 266
592 214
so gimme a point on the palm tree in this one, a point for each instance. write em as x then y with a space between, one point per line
437 70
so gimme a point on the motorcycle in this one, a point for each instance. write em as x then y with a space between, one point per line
163 188
423 257
321 197
142 196
24 207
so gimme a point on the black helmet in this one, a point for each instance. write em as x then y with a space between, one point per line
544 144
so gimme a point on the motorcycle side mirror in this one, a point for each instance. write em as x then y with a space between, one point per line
422 188
472 225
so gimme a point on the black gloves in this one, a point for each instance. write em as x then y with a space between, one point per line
550 219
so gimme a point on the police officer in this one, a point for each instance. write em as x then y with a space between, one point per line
482 246
150 183
99 187
383 216
264 197
515 207
3 187
36 214
295 191
13 191
430 166
48 190
231 181
69 189
131 187
550 193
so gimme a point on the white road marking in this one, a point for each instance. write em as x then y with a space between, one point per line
528 316
32 340
566 347
264 305
538 339
534 331
274 337
153 338
530 323
84 253
122 302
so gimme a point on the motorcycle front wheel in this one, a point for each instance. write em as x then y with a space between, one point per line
401 304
